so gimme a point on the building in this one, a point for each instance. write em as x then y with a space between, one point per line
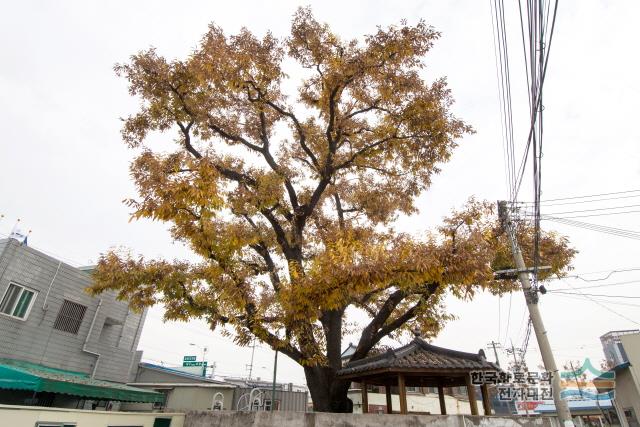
185 391
622 350
612 346
182 390
585 412
53 331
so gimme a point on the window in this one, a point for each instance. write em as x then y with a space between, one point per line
267 405
17 301
70 317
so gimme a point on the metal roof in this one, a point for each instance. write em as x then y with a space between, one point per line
173 385
22 375
178 373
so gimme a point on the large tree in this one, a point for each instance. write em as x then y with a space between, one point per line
289 200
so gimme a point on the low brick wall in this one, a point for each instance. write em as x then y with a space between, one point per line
310 419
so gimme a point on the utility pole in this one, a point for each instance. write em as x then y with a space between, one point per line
495 352
573 371
253 350
273 386
531 297
519 367
516 365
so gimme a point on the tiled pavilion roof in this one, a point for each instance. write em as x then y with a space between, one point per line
420 355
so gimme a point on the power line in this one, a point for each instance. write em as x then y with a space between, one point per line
593 210
620 232
536 105
607 285
602 214
604 306
594 295
503 75
591 195
506 334
586 201
595 299
610 273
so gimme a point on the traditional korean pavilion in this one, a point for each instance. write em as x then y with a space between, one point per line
420 364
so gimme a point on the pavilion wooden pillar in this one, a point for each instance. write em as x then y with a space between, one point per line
387 390
471 391
365 398
402 391
486 403
443 404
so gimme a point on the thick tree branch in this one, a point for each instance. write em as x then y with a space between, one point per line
379 328
339 211
302 138
235 138
293 197
262 250
187 139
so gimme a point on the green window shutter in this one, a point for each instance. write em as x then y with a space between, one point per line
23 304
9 299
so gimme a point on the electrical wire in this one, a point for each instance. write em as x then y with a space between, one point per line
506 334
607 285
610 273
595 295
586 201
604 306
601 214
593 210
503 76
590 195
595 227
537 99
595 299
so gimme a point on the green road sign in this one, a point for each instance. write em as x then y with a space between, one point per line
185 363
189 359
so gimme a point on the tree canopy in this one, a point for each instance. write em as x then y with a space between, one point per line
290 199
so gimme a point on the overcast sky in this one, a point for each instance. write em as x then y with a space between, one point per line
65 169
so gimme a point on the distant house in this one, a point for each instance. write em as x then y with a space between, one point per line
185 391
622 351
182 390
59 345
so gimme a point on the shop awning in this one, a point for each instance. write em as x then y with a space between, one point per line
22 375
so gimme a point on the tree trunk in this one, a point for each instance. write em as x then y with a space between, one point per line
328 393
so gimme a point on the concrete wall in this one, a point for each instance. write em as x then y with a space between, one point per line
28 416
183 398
35 340
628 380
300 419
627 396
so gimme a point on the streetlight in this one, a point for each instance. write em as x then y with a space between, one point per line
204 353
